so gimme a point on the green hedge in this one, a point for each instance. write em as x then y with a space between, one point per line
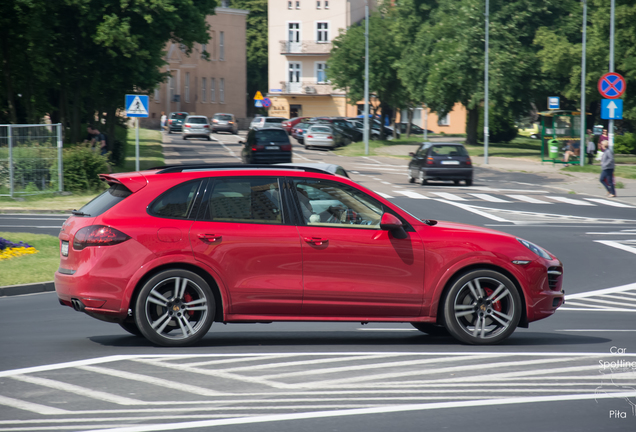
625 144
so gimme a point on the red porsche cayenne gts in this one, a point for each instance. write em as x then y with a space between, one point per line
166 252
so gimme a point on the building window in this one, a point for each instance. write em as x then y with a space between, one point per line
204 89
222 90
444 121
213 90
297 4
171 87
321 72
157 93
187 87
322 32
317 4
326 4
221 45
289 5
204 50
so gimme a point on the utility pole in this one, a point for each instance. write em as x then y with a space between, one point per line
486 89
583 143
366 78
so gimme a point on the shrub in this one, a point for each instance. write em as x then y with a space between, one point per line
118 145
81 168
502 127
625 144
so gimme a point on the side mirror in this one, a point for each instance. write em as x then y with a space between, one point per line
394 225
411 154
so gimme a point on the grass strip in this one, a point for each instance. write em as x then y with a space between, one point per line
38 267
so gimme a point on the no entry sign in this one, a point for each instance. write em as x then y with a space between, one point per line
611 85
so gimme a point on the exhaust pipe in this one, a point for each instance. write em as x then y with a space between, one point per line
77 305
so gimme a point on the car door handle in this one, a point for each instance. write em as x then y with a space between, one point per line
210 237
316 240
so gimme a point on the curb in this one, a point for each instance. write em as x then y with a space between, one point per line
34 288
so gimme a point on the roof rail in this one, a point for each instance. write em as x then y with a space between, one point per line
212 167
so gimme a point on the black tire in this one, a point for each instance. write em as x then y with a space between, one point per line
169 131
131 328
175 308
185 138
482 307
430 329
422 179
456 182
469 182
209 139
411 179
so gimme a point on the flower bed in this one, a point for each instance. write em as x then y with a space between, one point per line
8 249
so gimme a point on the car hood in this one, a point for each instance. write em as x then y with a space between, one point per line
454 228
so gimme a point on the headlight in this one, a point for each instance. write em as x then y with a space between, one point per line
536 249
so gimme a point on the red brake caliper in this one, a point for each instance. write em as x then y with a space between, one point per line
188 298
496 305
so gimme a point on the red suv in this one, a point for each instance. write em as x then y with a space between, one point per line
165 253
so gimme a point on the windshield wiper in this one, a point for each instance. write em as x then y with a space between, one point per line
79 213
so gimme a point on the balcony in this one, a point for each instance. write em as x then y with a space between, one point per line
309 88
304 48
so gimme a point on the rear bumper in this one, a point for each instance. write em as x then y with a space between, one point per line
447 173
224 128
319 143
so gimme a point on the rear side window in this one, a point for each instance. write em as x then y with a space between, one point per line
448 150
245 199
114 195
272 135
177 202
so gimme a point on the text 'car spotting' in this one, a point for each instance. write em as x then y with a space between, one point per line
166 252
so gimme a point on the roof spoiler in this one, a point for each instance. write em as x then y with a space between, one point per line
133 181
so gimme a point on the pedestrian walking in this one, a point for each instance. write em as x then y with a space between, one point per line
590 150
164 119
607 169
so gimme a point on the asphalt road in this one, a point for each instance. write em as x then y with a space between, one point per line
575 371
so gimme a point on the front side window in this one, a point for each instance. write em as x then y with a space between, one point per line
245 199
331 204
177 202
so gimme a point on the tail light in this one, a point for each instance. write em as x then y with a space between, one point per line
430 161
98 235
230 122
215 121
469 162
257 147
286 147
188 126
329 137
206 126
170 121
310 136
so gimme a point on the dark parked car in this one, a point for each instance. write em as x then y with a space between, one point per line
288 125
224 122
166 252
415 129
437 161
375 128
344 127
175 121
298 131
266 146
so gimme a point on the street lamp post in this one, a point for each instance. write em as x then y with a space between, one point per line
583 144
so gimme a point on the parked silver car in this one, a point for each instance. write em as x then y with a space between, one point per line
224 122
196 126
320 135
267 122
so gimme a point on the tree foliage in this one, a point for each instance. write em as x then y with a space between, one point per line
75 59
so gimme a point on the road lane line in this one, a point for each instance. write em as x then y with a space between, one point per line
570 201
528 199
449 196
412 194
612 290
383 195
32 407
474 210
617 245
489 198
609 203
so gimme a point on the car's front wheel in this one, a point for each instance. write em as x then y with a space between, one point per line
175 308
482 307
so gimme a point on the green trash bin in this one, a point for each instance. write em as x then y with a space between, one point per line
553 149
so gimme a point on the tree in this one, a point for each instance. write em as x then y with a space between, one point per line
256 47
78 58
346 64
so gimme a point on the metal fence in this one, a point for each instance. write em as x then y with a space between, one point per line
30 159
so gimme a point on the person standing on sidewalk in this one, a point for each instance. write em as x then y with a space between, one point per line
591 147
164 118
607 167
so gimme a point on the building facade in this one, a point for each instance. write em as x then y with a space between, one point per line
300 34
205 87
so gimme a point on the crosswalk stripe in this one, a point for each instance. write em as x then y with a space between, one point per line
609 203
528 199
489 198
570 201
412 194
449 196
383 195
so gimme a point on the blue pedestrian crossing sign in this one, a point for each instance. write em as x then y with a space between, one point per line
136 106
612 109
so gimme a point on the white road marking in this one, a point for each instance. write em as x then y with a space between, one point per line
412 194
298 155
529 199
75 389
570 201
472 209
449 196
229 150
387 183
32 407
489 198
594 330
489 189
612 290
609 203
383 195
617 245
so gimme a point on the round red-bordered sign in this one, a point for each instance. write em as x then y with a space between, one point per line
611 85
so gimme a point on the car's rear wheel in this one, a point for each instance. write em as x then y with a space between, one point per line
175 308
131 328
482 307
456 182
422 179
469 182
209 139
430 329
